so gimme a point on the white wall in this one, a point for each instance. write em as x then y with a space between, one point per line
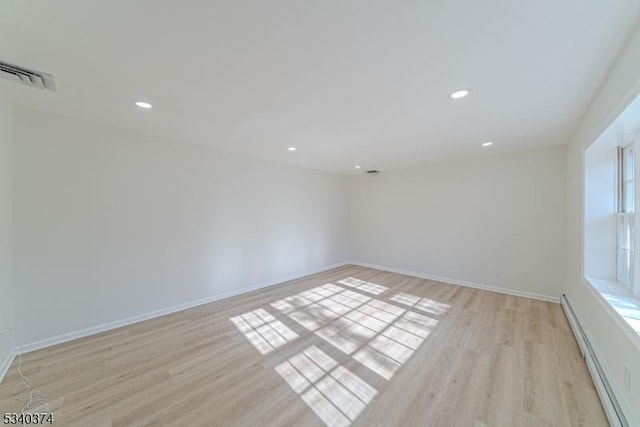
6 282
614 347
496 221
111 224
600 207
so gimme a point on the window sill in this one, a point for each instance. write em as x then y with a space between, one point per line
622 302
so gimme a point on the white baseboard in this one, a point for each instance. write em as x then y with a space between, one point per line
6 363
461 282
59 339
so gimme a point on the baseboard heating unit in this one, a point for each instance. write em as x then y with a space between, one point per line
607 397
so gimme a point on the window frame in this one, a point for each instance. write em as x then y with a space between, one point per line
625 217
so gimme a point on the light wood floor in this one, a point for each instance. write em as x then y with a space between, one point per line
376 349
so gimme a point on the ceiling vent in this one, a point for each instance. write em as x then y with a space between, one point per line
28 77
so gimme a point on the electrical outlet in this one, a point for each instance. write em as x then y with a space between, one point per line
627 377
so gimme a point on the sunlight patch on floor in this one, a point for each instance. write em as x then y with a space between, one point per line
387 352
333 392
423 304
369 287
379 335
264 331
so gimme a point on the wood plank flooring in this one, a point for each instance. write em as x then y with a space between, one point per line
351 346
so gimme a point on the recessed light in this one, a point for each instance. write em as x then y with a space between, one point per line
143 104
292 148
358 166
487 144
461 93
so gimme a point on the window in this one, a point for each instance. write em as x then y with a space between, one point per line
625 216
611 267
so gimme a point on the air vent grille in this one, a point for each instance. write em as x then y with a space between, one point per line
27 77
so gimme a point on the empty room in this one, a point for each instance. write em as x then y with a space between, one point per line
319 213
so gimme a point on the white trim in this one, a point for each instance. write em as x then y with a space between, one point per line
59 339
461 282
6 363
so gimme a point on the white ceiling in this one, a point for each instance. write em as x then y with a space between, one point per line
347 82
